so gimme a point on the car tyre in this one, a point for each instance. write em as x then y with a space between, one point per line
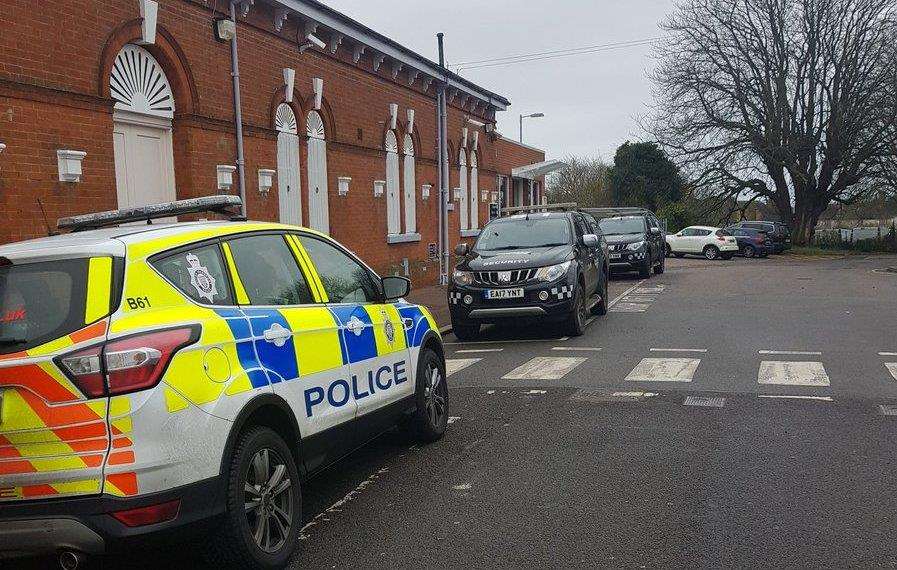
429 420
466 332
727 256
644 270
600 307
678 255
576 325
711 252
660 267
263 461
669 250
749 251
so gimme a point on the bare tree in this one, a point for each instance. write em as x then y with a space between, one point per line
792 102
583 180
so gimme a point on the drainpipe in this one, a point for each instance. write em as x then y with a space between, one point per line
238 113
442 111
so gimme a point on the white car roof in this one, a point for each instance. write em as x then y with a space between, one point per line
703 228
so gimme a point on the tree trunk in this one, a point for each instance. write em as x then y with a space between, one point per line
804 227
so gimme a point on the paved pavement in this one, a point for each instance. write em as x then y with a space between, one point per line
738 413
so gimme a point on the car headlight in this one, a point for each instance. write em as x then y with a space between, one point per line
635 246
462 278
552 272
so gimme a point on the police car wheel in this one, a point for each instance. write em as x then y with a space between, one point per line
261 526
600 307
430 419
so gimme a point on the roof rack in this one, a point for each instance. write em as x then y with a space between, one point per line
616 211
227 205
565 206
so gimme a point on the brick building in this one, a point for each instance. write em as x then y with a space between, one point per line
345 135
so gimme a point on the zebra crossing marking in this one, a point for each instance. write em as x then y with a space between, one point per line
544 368
790 352
664 370
478 350
630 308
577 348
792 373
796 397
455 365
892 368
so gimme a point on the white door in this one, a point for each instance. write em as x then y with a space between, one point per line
318 214
144 164
393 216
462 184
474 189
410 192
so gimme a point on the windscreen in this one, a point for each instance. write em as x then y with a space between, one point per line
40 302
618 226
522 233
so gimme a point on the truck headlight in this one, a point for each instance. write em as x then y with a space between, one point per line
552 272
462 278
635 246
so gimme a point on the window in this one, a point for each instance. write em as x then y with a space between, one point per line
409 183
580 225
523 233
345 280
393 214
268 271
462 185
687 232
623 225
199 274
474 191
701 233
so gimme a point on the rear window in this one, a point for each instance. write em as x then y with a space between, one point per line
40 302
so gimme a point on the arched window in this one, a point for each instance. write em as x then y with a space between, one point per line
462 185
144 107
318 213
409 183
289 190
474 189
393 206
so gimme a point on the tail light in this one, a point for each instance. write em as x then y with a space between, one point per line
153 514
126 364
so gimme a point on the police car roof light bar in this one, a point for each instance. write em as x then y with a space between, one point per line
226 205
562 207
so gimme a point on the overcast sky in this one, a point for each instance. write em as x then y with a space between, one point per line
590 101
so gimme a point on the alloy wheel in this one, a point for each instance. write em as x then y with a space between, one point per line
268 501
435 394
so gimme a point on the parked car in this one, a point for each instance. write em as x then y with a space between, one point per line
710 242
634 237
751 243
536 266
777 233
164 380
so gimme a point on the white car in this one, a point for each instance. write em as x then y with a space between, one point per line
712 243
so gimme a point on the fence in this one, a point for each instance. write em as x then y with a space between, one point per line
880 238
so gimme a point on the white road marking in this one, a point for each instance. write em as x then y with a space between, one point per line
537 392
626 292
477 350
490 392
453 419
795 397
453 365
887 353
629 308
514 341
639 299
461 487
337 506
633 394
791 352
892 368
792 373
577 348
544 368
678 350
664 370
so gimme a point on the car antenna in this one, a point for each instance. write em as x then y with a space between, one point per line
50 231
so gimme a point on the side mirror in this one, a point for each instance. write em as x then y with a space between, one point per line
655 231
396 287
591 240
462 249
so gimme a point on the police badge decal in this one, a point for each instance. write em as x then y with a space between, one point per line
201 279
388 328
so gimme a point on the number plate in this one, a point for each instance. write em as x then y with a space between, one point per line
616 255
504 293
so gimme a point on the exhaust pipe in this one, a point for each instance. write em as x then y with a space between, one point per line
71 560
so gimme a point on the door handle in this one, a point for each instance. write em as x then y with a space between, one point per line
277 335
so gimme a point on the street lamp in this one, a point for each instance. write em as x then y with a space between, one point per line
533 116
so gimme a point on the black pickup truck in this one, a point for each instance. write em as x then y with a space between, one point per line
534 267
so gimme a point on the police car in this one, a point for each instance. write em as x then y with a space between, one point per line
153 377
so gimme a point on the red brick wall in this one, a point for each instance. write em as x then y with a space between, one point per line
54 95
